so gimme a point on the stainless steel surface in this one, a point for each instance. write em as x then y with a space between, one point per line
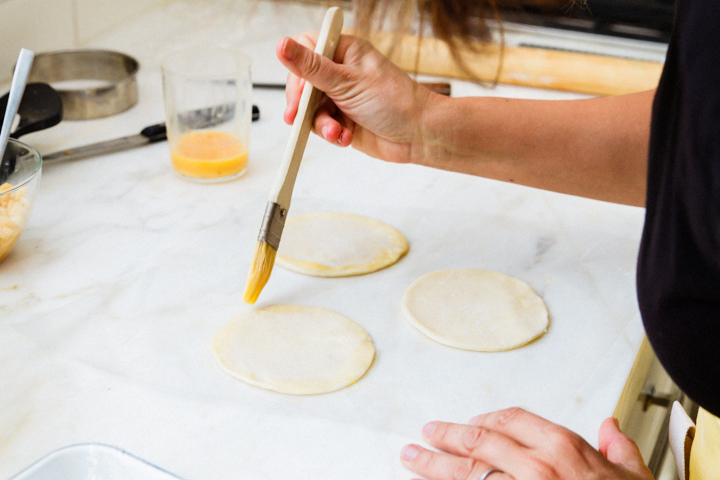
115 70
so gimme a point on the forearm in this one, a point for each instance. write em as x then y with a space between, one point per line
595 148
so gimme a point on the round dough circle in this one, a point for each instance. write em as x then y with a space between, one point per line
334 244
294 349
475 310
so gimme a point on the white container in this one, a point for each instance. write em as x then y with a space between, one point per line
92 461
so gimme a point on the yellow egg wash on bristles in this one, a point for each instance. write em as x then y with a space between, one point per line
260 268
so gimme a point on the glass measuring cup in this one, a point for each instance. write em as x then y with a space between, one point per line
215 82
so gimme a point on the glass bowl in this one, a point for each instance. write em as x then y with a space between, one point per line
17 194
92 461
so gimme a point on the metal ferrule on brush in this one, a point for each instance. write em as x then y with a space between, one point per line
272 225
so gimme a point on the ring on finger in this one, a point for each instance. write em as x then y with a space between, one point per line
489 472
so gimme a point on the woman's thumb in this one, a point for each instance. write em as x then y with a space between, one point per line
619 448
320 71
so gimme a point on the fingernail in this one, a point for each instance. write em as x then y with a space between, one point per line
324 132
429 429
474 420
409 452
290 49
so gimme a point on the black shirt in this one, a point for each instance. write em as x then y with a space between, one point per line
678 275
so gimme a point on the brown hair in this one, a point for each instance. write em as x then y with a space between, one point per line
461 24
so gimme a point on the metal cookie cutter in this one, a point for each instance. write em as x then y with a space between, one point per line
116 71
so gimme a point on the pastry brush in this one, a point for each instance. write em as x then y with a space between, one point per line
279 202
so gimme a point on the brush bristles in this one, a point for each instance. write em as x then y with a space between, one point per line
260 269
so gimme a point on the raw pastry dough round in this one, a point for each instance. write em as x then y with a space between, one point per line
334 244
475 310
294 349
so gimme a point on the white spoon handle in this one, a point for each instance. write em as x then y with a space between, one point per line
17 87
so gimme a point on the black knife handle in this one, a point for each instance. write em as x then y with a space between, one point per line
155 133
158 132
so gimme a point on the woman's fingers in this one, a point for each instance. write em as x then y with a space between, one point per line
372 99
322 72
329 122
294 84
332 125
327 126
526 428
503 440
332 130
620 449
443 466
347 128
326 123
293 89
482 444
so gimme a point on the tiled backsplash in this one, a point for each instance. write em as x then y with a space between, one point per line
44 25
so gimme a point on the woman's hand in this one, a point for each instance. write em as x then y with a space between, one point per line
594 148
369 102
523 446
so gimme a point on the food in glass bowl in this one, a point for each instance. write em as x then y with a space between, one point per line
17 194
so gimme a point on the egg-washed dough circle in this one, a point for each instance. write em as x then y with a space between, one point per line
335 244
475 310
294 349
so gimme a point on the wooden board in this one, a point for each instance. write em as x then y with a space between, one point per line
524 66
634 384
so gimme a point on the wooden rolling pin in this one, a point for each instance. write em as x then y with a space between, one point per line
525 66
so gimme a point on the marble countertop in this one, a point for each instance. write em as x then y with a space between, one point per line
125 271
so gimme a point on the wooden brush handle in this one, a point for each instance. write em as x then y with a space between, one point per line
326 45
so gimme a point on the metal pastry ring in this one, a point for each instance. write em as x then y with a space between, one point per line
115 72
